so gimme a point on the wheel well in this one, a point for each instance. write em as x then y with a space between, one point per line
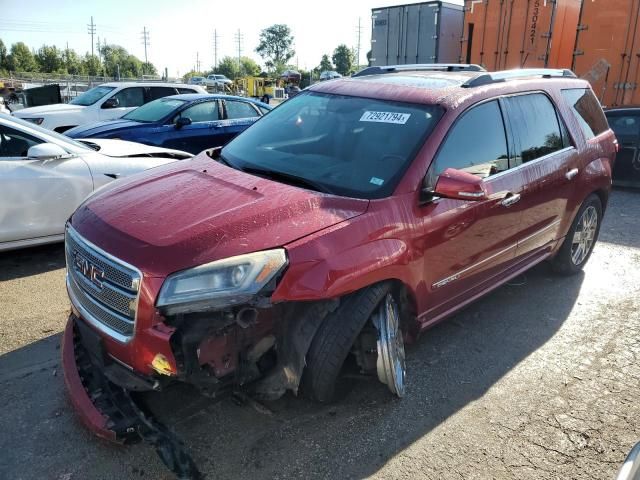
603 195
408 309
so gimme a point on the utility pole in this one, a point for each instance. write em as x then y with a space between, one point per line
215 50
239 37
359 31
91 30
145 41
98 42
198 62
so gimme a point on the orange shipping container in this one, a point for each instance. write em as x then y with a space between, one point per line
503 34
607 51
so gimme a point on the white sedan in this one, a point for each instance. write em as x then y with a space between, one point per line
44 176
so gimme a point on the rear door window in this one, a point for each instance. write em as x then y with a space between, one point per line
476 144
587 110
536 127
625 126
186 90
202 112
160 92
130 97
240 110
14 143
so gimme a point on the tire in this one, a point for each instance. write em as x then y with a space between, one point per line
572 256
333 341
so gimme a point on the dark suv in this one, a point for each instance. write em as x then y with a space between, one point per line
342 224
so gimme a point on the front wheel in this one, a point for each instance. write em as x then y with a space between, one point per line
581 238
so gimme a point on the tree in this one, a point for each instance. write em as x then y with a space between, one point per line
325 64
228 67
3 55
343 58
275 46
50 60
149 68
91 65
120 63
21 59
249 67
72 63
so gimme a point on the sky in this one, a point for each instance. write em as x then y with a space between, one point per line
182 30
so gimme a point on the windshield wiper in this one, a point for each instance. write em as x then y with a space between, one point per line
287 178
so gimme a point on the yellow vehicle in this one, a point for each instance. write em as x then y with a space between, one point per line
260 88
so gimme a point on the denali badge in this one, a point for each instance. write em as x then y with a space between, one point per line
88 269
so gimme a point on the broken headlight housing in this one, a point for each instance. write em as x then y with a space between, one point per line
223 283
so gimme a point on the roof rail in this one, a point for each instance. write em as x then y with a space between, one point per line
518 73
420 67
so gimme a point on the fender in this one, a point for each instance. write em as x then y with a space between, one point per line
313 276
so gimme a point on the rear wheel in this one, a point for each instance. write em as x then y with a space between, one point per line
581 238
335 339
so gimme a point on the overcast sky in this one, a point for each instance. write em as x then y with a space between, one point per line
180 29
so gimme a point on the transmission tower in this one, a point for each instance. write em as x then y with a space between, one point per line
91 30
145 41
238 38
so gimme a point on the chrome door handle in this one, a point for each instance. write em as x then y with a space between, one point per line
510 199
571 173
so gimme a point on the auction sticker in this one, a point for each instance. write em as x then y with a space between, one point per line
385 117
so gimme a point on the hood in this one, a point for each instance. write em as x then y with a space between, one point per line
102 128
55 108
123 148
189 213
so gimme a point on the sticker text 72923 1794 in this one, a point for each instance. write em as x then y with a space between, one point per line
385 117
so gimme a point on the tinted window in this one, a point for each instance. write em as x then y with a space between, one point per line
130 97
625 125
476 144
350 146
154 111
202 112
536 128
186 90
588 111
159 92
240 110
91 96
14 143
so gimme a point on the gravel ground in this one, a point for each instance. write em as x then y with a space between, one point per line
538 380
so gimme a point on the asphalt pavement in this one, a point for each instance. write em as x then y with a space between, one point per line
538 380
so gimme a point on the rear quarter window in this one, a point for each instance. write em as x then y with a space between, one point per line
587 110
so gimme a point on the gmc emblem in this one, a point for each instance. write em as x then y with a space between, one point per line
88 269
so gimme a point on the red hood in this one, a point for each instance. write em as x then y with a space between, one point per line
196 211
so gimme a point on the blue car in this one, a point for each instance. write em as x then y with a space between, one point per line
189 122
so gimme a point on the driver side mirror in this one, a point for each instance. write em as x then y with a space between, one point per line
460 185
46 151
182 122
111 103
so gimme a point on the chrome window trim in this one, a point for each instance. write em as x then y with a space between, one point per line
490 178
116 262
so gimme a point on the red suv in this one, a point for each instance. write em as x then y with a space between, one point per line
338 227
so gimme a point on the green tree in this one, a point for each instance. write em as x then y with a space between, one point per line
21 59
228 67
50 60
325 64
249 67
149 68
275 46
343 58
72 62
3 55
91 65
118 61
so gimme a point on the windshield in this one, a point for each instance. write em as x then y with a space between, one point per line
49 133
154 111
91 96
349 146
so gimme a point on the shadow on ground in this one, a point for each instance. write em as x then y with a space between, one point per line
31 261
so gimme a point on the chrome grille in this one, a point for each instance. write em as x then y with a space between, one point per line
102 288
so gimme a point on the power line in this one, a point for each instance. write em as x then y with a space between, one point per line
91 30
145 41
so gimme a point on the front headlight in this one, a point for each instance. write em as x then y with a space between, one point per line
219 284
37 121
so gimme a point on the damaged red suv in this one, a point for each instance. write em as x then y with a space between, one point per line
339 226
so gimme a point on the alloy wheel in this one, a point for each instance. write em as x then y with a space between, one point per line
584 236
391 359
